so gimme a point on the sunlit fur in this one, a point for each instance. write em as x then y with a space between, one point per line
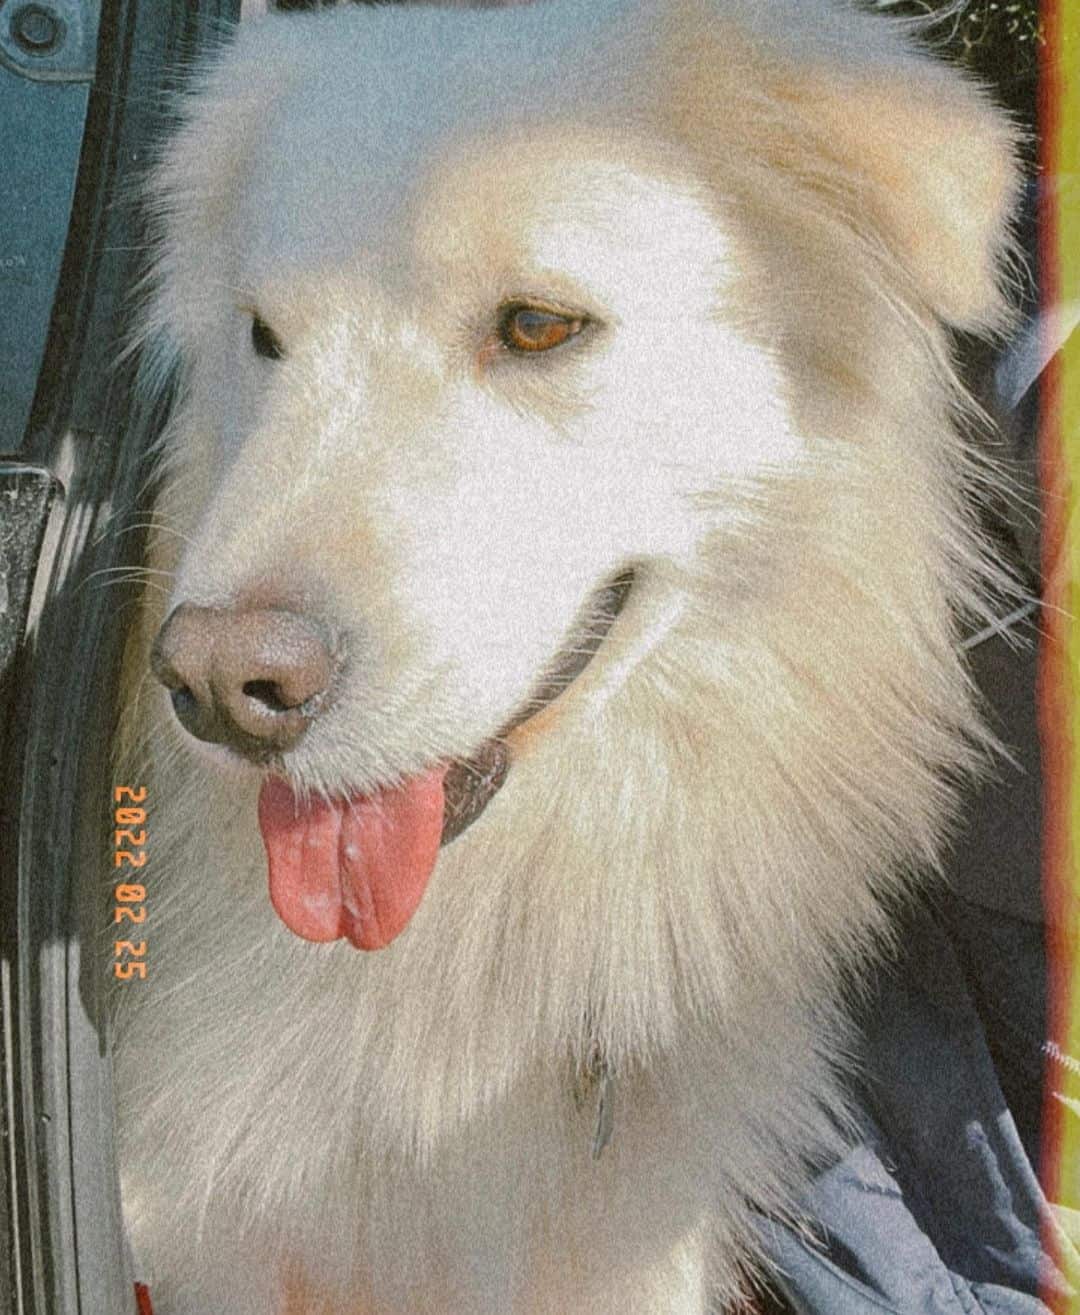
771 210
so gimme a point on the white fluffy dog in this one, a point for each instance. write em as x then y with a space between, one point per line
565 451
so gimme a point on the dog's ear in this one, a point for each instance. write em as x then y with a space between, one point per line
907 147
936 171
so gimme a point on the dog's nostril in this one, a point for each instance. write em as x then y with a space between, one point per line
184 702
269 694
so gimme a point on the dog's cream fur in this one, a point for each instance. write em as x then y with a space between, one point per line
774 208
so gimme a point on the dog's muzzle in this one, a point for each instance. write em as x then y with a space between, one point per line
254 679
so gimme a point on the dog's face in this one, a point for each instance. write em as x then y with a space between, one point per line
464 369
465 353
448 432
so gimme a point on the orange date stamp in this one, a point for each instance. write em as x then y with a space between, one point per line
129 909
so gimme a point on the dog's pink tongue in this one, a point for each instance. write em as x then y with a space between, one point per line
354 867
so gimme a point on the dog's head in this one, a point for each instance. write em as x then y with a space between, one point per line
517 339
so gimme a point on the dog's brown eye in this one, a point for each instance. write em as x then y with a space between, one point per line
265 341
525 328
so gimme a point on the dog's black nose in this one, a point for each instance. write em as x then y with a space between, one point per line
254 679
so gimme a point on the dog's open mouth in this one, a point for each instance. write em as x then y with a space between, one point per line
357 866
